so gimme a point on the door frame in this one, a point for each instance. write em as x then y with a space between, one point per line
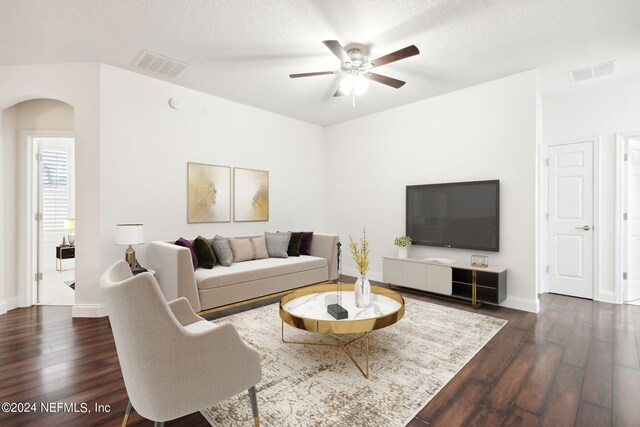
26 197
620 198
544 209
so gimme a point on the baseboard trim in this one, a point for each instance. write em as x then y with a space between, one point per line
607 296
89 310
524 304
8 305
11 303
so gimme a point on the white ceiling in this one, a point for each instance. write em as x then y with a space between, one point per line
243 50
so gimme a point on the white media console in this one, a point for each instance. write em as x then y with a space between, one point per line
458 280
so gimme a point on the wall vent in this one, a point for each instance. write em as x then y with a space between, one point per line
593 72
160 64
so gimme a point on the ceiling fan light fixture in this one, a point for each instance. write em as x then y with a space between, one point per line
360 84
357 84
346 85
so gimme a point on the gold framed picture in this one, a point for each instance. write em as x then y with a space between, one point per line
250 195
208 193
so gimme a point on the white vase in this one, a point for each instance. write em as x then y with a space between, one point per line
403 251
362 289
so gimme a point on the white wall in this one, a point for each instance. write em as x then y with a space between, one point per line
145 147
599 109
139 172
132 151
483 132
45 114
8 213
77 85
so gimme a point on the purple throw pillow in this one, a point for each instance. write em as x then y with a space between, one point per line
187 244
305 243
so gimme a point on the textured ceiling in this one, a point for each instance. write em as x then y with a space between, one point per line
243 50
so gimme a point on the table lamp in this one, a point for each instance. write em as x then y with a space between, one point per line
70 226
129 235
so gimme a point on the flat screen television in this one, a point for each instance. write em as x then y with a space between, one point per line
463 215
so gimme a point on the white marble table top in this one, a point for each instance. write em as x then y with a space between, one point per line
314 306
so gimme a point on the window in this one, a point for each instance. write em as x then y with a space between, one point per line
56 188
57 184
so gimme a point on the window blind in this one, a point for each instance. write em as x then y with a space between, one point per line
55 189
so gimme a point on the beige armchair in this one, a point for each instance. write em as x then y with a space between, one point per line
173 361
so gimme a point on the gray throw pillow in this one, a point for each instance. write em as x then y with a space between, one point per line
277 244
223 252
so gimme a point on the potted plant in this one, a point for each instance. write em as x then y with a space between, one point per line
403 243
360 254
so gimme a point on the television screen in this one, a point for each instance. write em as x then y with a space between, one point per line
462 215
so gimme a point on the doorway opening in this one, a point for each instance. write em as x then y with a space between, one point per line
37 186
628 148
53 210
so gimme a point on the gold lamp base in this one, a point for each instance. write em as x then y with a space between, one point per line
130 257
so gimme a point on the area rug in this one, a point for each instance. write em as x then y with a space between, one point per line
302 385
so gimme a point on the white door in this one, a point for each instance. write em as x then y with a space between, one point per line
632 240
53 189
571 219
37 247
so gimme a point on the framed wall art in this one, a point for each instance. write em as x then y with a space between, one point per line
250 195
208 193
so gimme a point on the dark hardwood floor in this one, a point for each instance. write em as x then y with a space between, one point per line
574 363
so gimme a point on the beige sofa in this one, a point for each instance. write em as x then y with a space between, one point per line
220 285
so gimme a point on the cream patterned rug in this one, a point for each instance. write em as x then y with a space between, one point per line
409 363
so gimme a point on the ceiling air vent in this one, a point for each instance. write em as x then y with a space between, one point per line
595 71
160 64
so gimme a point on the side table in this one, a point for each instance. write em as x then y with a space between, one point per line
64 252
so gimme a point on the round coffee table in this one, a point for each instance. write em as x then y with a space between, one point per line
306 309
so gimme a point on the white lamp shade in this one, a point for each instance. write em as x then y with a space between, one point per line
129 234
70 224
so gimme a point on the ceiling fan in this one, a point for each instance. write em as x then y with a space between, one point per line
357 68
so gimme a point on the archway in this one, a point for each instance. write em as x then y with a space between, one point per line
29 243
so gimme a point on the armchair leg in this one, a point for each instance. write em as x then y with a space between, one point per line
127 413
254 405
158 424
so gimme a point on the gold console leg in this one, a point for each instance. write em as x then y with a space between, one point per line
474 287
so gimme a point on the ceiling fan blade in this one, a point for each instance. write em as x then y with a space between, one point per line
395 56
317 73
385 80
337 49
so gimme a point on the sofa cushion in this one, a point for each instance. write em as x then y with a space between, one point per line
277 244
223 252
305 243
256 269
187 244
204 252
248 248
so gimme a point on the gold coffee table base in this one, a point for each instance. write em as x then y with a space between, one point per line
364 371
361 326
